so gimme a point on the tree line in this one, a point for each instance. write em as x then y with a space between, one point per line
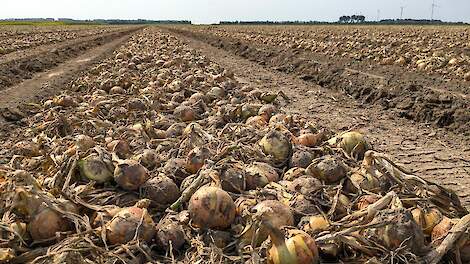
352 19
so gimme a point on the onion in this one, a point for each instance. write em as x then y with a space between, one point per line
216 93
418 216
299 249
256 122
175 170
220 239
267 111
129 223
275 144
316 224
364 180
301 158
120 147
170 235
149 159
275 212
161 190
130 175
328 169
467 76
211 207
95 169
175 130
259 174
28 149
284 119
185 113
249 110
440 230
84 142
310 139
432 217
353 143
46 223
232 178
196 159
6 254
305 185
293 174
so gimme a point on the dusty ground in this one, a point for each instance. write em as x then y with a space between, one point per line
431 152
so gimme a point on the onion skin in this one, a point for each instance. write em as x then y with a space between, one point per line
310 139
301 159
211 207
432 217
130 175
169 231
120 147
316 224
196 159
123 227
232 178
294 173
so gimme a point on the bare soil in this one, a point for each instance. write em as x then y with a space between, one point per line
425 148
412 95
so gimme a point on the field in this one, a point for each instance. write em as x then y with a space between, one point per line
205 144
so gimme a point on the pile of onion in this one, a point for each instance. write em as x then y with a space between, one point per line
211 207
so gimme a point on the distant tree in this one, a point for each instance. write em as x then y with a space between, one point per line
345 19
361 19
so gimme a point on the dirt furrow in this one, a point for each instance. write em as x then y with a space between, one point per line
430 152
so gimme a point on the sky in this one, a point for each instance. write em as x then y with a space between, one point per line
213 11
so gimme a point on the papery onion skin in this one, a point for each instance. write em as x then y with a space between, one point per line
130 175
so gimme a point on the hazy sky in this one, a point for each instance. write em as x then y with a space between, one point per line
209 11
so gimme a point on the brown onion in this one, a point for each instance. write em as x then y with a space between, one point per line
95 169
130 175
120 147
161 190
46 223
301 158
259 174
232 178
196 159
170 235
294 173
211 207
316 224
328 169
129 223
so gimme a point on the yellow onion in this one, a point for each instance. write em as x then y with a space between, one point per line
467 76
366 200
161 190
316 224
267 111
64 101
432 217
353 143
364 180
196 159
120 147
84 142
130 175
232 177
418 216
310 139
46 223
259 174
249 110
149 159
275 144
129 223
170 235
305 185
440 230
211 207
294 173
28 149
256 121
328 169
277 213
279 118
185 113
95 169
299 249
301 158
175 169
6 254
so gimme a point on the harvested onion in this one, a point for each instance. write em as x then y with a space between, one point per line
211 207
95 169
130 175
130 223
275 144
259 174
